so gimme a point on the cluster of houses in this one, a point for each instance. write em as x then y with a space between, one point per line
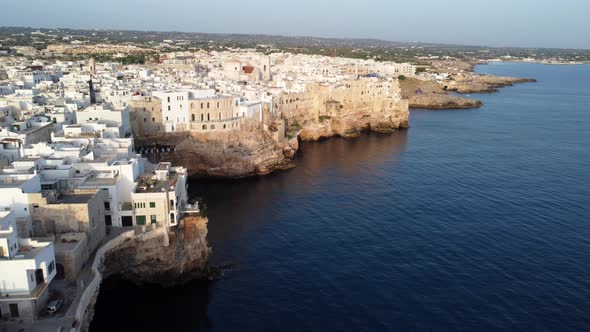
69 174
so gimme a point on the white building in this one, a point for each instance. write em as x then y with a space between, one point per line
14 196
26 268
160 198
102 114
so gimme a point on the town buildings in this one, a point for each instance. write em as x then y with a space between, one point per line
68 133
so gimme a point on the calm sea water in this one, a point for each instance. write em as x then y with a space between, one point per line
469 220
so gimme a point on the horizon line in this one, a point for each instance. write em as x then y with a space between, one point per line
305 36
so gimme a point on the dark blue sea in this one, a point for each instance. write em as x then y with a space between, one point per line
471 220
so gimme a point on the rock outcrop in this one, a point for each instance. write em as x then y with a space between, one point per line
475 83
352 122
231 154
156 257
431 95
162 257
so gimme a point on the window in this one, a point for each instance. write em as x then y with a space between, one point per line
51 267
168 99
140 220
108 220
13 310
107 206
152 205
193 118
153 219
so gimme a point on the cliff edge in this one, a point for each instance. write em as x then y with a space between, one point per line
229 154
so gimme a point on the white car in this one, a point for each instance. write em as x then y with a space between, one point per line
53 306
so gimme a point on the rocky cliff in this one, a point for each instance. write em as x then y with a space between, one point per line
162 257
230 154
350 123
157 256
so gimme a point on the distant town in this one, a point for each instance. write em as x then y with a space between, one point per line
100 131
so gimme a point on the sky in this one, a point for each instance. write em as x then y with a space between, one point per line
519 23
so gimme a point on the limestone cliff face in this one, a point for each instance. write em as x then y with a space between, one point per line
161 257
345 109
230 154
351 122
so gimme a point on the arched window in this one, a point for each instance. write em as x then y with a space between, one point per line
172 219
208 117
202 115
223 126
201 105
219 115
212 127
204 127
192 117
208 105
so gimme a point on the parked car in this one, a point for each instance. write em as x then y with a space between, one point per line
53 306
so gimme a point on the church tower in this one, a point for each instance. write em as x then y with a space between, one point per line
92 67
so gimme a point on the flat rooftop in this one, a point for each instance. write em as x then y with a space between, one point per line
147 184
100 178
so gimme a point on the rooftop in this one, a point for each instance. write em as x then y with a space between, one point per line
147 183
101 178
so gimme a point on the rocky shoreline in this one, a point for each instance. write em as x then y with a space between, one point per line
472 83
438 96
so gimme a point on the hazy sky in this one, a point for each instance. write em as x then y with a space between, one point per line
540 23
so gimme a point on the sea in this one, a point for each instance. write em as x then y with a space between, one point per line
470 220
